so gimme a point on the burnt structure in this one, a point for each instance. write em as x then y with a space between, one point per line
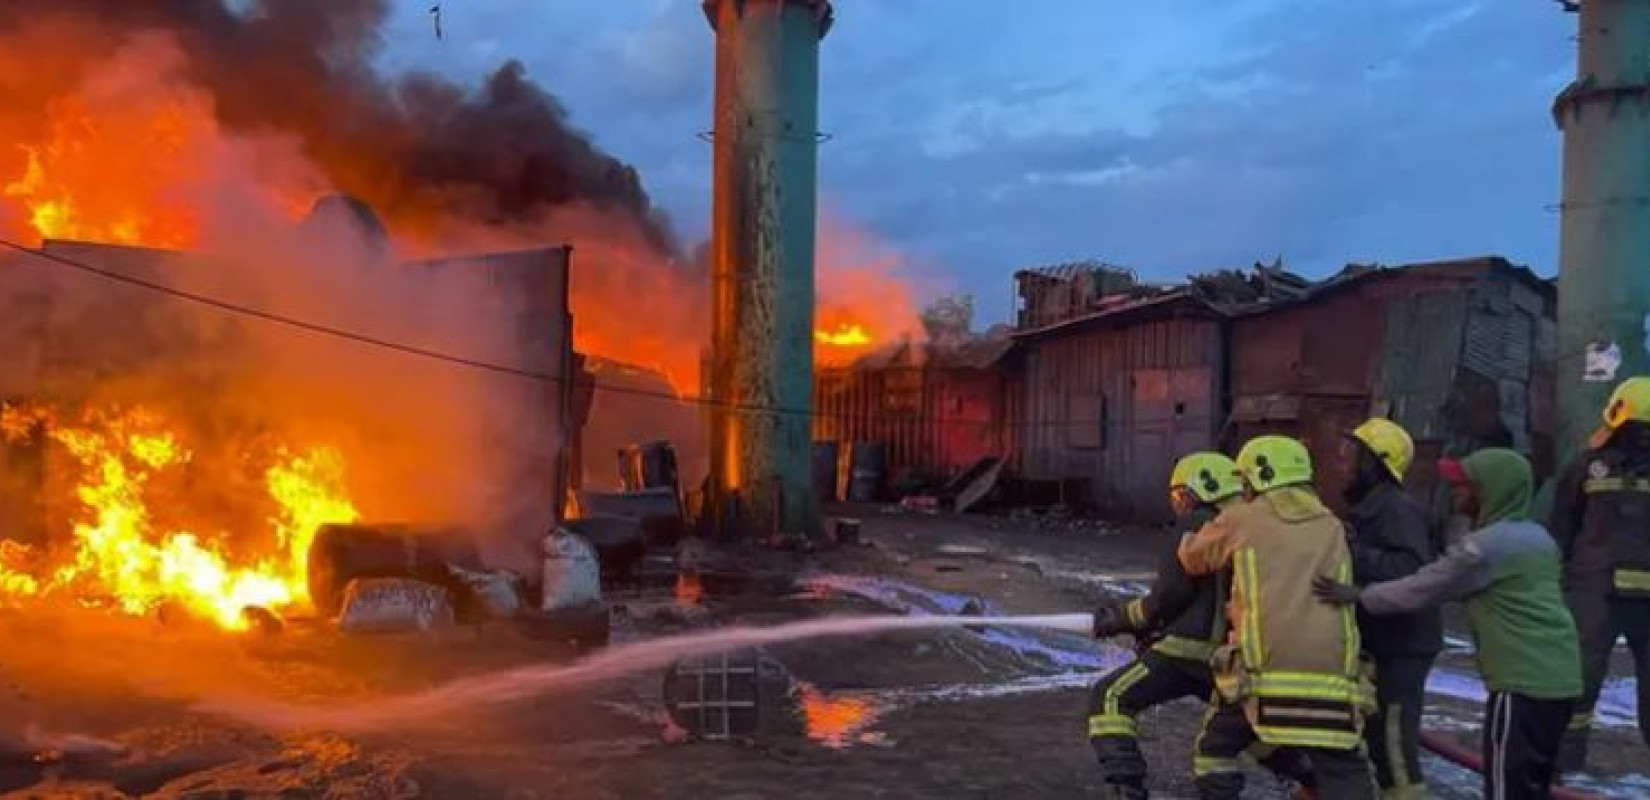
762 263
88 341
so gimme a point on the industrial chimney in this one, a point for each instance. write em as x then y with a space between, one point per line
762 263
1604 240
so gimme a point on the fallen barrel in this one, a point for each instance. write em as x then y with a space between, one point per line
1449 749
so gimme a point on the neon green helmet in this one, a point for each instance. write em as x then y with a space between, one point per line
1273 462
1211 477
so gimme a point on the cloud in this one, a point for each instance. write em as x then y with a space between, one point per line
1174 136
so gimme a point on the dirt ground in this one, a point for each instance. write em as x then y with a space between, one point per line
953 713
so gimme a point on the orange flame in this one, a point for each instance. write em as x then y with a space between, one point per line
845 335
124 558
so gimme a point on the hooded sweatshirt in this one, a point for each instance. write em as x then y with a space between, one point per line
1508 572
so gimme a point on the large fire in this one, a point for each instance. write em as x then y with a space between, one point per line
123 557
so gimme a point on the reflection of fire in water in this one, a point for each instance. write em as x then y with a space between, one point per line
123 558
835 722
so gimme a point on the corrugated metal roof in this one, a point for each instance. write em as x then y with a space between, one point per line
1169 303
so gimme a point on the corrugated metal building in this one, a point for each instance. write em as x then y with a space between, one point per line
936 409
1110 398
1447 349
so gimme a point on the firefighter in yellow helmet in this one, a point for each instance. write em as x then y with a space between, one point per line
1178 624
1390 538
1601 520
1289 675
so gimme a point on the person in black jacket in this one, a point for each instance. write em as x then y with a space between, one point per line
1390 538
1601 520
1178 624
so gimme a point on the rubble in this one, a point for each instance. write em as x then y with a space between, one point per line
394 605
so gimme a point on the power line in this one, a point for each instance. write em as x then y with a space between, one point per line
889 420
321 329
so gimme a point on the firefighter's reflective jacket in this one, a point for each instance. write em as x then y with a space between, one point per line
1182 614
1290 659
1601 520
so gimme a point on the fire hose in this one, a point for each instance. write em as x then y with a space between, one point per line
1451 750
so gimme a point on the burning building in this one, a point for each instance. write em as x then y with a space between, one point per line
166 449
159 448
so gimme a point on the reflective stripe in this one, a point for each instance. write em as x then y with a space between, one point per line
1112 725
1135 612
1248 588
1632 580
1197 741
1209 765
1349 624
1616 484
1397 764
1306 685
1182 647
1114 693
1581 721
1308 737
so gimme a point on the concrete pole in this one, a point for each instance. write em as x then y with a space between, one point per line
1604 242
762 263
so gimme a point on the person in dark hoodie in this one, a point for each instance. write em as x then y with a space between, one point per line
1508 571
1390 539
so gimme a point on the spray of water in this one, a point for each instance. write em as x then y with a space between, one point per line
469 693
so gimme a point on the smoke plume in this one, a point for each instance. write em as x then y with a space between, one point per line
421 150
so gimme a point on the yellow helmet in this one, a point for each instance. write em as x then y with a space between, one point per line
1273 462
1630 402
1388 442
1212 477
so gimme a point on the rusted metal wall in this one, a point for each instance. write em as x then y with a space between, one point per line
935 422
1116 404
1445 351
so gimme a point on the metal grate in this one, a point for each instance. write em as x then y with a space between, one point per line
724 697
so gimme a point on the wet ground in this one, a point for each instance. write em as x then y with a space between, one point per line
955 714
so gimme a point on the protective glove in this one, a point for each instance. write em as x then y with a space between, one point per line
1109 621
1333 591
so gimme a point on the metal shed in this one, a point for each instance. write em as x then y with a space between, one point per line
1447 349
937 409
1111 397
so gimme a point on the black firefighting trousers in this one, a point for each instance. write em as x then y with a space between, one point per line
1521 742
1601 621
1339 774
1152 680
1393 732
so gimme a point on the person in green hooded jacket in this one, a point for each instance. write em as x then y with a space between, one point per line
1509 573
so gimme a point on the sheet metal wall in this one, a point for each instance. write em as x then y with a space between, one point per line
1116 405
935 422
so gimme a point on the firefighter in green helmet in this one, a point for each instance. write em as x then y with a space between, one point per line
1290 675
1178 623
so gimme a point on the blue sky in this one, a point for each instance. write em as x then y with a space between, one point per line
980 136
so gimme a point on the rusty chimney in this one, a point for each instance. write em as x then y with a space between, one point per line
762 263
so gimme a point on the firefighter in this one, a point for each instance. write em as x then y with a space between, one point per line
1601 520
1508 572
1180 617
1290 674
1389 539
